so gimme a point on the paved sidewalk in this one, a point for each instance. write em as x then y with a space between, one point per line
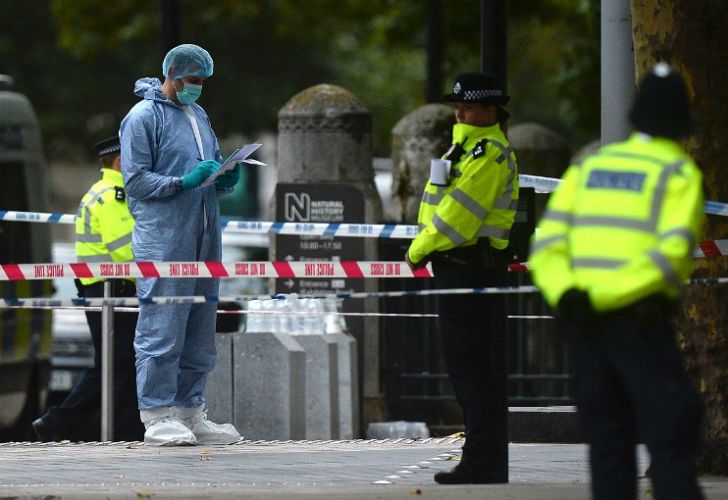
356 469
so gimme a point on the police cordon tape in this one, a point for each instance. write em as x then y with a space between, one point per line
540 185
202 299
43 302
252 269
403 231
133 309
708 248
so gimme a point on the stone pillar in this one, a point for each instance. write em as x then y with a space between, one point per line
322 385
269 386
219 388
325 150
348 385
419 136
539 151
587 149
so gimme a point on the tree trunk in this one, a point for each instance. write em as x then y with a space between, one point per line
692 37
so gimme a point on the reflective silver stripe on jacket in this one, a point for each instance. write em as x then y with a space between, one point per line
447 230
504 201
543 243
668 272
119 242
87 236
596 263
660 190
94 258
557 216
681 232
610 221
468 203
432 198
97 196
506 204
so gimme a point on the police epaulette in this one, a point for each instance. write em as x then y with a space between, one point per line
120 193
479 149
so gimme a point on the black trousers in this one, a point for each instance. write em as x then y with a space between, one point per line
631 387
473 329
78 417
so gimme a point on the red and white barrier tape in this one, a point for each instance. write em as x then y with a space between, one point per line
711 248
274 269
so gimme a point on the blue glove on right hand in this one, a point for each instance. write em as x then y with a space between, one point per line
229 179
202 171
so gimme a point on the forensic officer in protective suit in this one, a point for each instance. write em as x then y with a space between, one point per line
611 254
103 234
465 219
168 150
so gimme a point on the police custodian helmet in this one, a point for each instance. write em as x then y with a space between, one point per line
661 106
477 87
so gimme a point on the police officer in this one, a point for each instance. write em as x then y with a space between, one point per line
611 254
103 234
465 219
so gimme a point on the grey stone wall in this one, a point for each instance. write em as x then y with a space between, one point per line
419 136
539 150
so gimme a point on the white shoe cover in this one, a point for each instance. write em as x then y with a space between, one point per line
163 429
206 431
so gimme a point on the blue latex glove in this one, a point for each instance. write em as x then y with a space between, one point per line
229 178
202 171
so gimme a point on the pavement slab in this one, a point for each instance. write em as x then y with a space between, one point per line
353 469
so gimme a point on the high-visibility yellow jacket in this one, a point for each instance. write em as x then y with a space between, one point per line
622 225
103 223
480 201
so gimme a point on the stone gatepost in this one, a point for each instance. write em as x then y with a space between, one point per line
325 174
540 151
419 136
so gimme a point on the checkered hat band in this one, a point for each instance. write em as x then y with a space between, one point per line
472 95
109 150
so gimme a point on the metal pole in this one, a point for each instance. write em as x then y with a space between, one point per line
618 73
107 367
494 39
170 13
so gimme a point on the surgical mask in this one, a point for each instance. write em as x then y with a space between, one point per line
189 94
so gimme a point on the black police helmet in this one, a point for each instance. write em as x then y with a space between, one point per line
108 146
661 106
477 87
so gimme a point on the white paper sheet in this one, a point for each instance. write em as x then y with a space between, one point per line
239 156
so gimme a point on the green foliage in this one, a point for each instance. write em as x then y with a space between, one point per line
554 66
78 60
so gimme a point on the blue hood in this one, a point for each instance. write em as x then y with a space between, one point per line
150 88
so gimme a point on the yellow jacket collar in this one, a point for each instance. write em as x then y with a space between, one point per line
662 142
469 135
113 176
